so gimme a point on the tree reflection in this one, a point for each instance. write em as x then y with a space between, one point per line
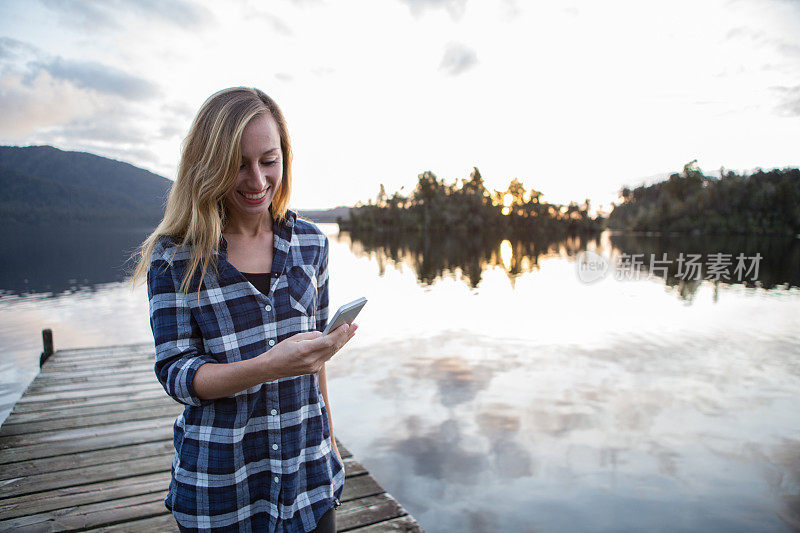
434 256
779 264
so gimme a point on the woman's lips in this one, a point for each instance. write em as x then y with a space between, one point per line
254 198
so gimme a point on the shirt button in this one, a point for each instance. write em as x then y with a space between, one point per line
274 446
272 342
274 412
276 479
268 308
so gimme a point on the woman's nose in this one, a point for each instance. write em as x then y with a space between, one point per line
255 176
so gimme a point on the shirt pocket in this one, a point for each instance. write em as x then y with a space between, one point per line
302 288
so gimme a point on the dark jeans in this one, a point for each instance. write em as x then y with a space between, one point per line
326 524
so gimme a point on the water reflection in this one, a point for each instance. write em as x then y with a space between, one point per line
779 266
437 256
55 261
433 256
522 399
562 437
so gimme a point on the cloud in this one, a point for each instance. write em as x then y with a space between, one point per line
96 77
102 128
743 32
109 14
760 39
44 105
30 103
21 58
276 23
455 8
11 49
457 59
169 131
322 71
304 3
178 109
790 101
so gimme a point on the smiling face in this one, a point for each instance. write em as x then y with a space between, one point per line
260 170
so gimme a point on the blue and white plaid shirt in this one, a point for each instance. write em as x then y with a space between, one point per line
262 459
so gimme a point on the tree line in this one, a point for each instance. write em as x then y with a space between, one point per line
469 207
762 203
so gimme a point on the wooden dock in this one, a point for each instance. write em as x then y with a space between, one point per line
89 447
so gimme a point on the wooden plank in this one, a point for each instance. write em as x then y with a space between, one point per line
30 439
360 486
161 410
85 385
82 460
131 380
103 400
352 467
60 365
97 362
82 366
92 515
404 524
342 450
149 449
366 511
352 516
94 374
164 523
90 474
103 356
113 440
82 395
66 497
110 348
92 410
67 366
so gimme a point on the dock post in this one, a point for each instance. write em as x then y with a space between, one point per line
47 341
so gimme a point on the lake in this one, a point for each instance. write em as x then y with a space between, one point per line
624 383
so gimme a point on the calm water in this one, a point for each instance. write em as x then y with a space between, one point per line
490 389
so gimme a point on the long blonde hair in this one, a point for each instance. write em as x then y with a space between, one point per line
195 211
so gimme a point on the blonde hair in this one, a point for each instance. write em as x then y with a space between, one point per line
195 212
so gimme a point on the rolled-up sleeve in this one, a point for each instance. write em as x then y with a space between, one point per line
322 287
178 340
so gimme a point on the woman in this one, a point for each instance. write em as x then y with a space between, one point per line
238 289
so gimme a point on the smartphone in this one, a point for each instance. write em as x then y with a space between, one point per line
345 315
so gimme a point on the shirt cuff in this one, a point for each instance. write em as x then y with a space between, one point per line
184 380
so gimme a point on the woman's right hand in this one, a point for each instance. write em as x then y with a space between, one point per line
305 353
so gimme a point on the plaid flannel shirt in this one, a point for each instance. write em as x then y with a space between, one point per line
262 459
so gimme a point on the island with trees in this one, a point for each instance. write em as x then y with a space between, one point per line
469 207
761 203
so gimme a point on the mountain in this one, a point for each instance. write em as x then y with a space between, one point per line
42 185
325 215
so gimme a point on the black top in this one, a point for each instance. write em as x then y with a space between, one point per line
260 281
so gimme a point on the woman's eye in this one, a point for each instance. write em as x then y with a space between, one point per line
270 162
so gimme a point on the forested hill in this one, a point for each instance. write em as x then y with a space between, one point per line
45 186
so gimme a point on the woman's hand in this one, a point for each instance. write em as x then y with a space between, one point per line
305 353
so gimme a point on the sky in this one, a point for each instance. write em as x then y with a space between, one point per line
575 99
